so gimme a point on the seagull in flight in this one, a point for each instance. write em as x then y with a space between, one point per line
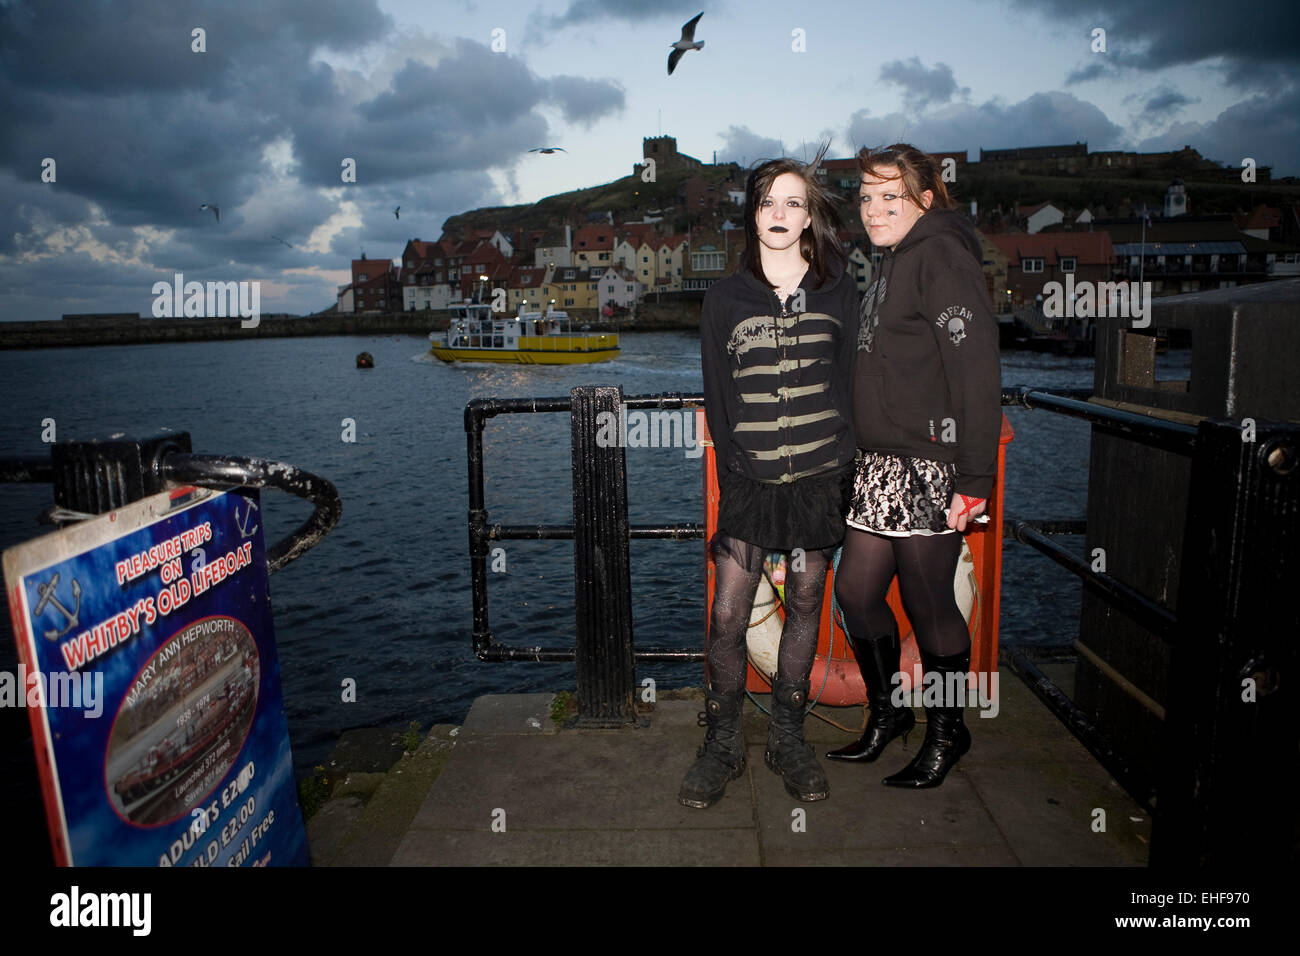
214 207
548 149
278 239
395 213
687 42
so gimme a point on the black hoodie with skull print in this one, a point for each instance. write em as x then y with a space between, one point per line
927 383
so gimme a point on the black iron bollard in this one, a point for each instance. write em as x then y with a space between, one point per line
1226 790
93 477
601 564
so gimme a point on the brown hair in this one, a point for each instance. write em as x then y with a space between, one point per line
919 172
818 243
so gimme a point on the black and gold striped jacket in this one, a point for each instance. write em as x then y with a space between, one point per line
778 386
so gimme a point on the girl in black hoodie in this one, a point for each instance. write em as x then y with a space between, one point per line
927 413
777 340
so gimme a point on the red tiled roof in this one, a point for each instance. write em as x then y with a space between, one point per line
1089 248
373 268
424 250
637 233
1027 211
525 277
1261 217
599 238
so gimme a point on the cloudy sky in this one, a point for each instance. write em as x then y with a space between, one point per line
438 103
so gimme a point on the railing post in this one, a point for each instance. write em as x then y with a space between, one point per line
1225 793
93 477
601 561
478 538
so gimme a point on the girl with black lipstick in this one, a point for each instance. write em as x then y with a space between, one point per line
777 341
927 413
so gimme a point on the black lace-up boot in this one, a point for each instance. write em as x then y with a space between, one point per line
787 752
721 759
878 661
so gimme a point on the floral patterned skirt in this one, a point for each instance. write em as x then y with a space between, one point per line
898 496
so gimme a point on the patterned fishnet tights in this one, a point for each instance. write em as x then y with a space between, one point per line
739 565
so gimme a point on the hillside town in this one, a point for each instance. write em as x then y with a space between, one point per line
599 264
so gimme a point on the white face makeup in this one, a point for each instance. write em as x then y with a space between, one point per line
887 213
783 216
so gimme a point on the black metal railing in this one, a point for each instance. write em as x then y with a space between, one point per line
93 477
1230 622
1230 635
603 649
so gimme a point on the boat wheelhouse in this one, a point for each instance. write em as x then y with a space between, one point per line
475 334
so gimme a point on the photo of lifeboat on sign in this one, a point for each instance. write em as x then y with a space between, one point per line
183 723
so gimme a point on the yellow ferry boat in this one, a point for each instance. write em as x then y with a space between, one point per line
474 334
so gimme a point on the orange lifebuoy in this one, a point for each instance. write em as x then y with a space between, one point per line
835 673
836 679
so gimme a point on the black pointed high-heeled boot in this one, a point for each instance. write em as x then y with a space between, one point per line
946 736
878 661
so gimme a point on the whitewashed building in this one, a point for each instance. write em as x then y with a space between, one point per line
554 250
621 287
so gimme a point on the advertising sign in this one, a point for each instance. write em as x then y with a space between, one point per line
148 662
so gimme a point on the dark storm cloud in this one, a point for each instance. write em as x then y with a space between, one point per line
1165 100
142 126
1090 71
585 101
1042 119
108 48
587 11
474 110
1255 39
143 130
921 87
742 145
1263 128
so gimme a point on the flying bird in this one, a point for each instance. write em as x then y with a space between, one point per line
278 239
395 213
214 207
548 149
687 42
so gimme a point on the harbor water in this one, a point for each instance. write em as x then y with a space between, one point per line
385 598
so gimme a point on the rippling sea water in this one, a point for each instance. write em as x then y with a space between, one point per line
385 598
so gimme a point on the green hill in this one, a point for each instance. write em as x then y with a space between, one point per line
629 199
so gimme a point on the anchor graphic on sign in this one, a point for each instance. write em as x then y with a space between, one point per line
244 530
46 591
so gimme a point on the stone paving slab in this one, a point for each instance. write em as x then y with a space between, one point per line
329 827
959 856
1047 811
861 813
514 793
510 714
622 780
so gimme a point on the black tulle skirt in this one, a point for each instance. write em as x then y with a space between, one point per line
808 513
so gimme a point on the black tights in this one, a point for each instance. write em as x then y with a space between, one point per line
739 566
926 565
